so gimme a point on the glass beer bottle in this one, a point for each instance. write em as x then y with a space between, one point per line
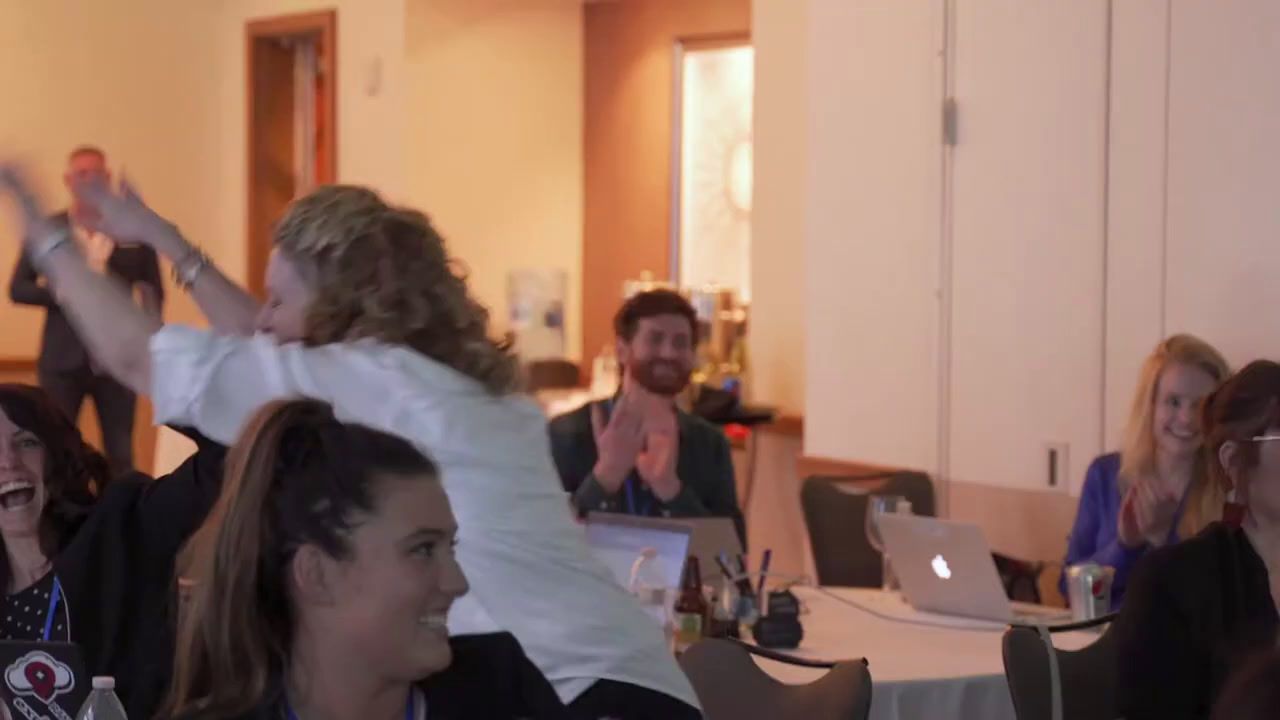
690 609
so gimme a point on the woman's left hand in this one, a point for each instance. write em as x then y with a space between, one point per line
123 216
37 227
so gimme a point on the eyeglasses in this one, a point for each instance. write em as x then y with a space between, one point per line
1264 438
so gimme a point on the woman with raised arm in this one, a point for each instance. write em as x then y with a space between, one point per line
91 567
366 311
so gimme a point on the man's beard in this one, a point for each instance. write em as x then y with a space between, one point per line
670 382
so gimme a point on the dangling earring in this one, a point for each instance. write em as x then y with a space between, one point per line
1232 511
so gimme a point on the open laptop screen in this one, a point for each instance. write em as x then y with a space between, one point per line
617 540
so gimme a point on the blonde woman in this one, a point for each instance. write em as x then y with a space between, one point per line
1156 490
366 311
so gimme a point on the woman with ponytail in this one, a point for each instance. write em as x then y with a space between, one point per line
1197 610
321 582
88 565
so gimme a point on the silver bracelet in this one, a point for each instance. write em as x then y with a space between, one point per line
187 270
47 245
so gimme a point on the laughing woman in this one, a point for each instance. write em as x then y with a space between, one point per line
93 571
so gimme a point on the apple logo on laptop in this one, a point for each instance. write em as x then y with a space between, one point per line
940 567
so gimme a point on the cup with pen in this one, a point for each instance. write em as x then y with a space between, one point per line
878 505
772 616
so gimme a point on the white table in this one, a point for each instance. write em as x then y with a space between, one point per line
922 665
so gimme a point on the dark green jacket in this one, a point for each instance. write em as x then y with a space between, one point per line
704 466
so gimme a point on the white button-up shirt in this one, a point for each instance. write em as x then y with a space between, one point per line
530 570
95 246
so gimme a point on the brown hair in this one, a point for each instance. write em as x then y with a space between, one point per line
383 272
1138 455
652 303
1245 406
73 471
86 150
295 477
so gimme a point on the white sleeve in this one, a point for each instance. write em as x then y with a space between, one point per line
214 382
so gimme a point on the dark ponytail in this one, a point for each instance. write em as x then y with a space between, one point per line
296 476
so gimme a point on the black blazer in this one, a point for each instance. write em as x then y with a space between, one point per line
60 347
704 465
1193 613
116 566
490 678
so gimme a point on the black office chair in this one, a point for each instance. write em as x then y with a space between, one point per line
1020 578
1086 678
836 521
730 685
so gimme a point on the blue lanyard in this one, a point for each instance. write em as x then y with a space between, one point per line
632 508
408 708
54 596
630 483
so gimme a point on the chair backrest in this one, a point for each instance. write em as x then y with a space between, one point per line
1088 677
836 521
1021 578
730 685
551 375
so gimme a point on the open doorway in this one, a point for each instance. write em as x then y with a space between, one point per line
292 139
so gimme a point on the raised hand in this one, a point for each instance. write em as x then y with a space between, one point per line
656 464
123 215
15 183
618 441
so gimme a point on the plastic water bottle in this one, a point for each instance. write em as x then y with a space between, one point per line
102 703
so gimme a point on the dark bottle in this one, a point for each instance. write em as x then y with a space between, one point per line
689 614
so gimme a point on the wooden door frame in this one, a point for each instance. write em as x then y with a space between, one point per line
681 46
325 24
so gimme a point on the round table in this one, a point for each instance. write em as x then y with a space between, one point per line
922 665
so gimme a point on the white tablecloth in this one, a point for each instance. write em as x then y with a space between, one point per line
918 669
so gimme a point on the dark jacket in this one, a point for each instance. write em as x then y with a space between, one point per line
489 679
60 347
704 466
116 568
1194 612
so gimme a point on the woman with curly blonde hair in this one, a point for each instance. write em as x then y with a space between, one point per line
366 311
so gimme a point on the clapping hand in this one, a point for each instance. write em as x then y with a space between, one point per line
122 215
1147 511
37 226
618 441
657 461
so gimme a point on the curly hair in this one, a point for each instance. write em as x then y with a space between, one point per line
73 471
383 272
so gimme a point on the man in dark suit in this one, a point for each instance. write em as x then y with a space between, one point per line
64 367
637 453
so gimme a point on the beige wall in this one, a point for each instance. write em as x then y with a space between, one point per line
137 83
777 334
371 106
871 232
494 138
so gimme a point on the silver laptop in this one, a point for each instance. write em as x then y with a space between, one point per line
945 567
708 537
619 540
713 536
